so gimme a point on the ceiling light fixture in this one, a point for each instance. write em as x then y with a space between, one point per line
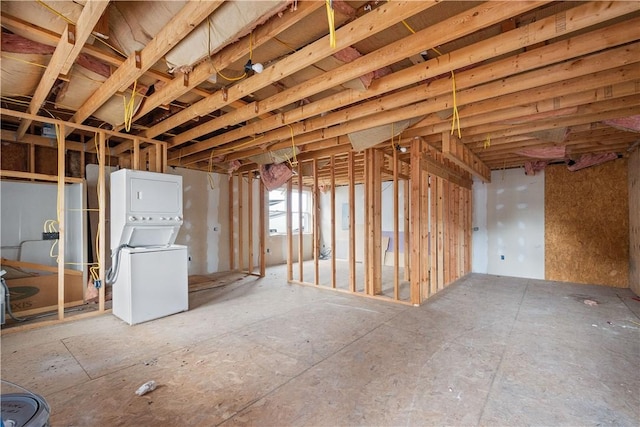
401 149
250 66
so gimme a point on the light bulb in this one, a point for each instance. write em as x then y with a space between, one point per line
257 67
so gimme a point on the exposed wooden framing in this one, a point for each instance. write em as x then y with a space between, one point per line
300 227
186 20
289 231
352 223
433 235
407 247
377 157
316 224
263 229
102 219
69 46
135 155
396 228
368 221
232 237
454 150
250 221
416 250
383 17
38 176
493 12
440 213
61 218
333 223
424 235
240 222
234 52
526 61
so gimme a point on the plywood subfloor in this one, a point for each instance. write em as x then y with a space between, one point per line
487 350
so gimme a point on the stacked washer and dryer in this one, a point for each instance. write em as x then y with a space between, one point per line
149 272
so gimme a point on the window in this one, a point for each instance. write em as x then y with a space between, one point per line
278 211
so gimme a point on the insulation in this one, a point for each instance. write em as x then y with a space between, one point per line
587 225
36 13
227 24
558 135
276 156
20 75
83 83
557 152
587 160
368 138
630 124
274 176
530 168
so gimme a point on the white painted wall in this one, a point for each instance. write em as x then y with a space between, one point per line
513 227
205 229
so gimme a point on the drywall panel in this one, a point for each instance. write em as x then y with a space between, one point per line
515 224
634 221
479 237
205 229
25 207
587 224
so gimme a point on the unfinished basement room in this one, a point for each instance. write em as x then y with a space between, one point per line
320 213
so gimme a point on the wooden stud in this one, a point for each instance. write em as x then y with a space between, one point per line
433 234
135 160
61 218
250 220
377 222
352 223
333 223
396 228
300 227
407 248
263 229
440 218
316 223
414 235
240 222
289 231
424 235
232 239
102 219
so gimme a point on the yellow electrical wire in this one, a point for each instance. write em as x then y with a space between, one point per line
487 142
56 12
455 119
331 18
15 58
293 145
129 107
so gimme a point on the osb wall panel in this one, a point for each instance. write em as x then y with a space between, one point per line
14 156
634 221
587 224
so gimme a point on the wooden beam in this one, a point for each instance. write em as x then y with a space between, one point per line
232 237
577 46
137 63
69 46
38 176
454 150
250 217
300 227
228 56
380 19
316 224
240 222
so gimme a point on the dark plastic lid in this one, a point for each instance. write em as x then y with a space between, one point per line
26 410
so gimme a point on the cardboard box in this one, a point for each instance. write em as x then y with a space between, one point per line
38 293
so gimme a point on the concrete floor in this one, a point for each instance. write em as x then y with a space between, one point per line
485 351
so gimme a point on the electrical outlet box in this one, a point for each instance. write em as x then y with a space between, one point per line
502 257
50 236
